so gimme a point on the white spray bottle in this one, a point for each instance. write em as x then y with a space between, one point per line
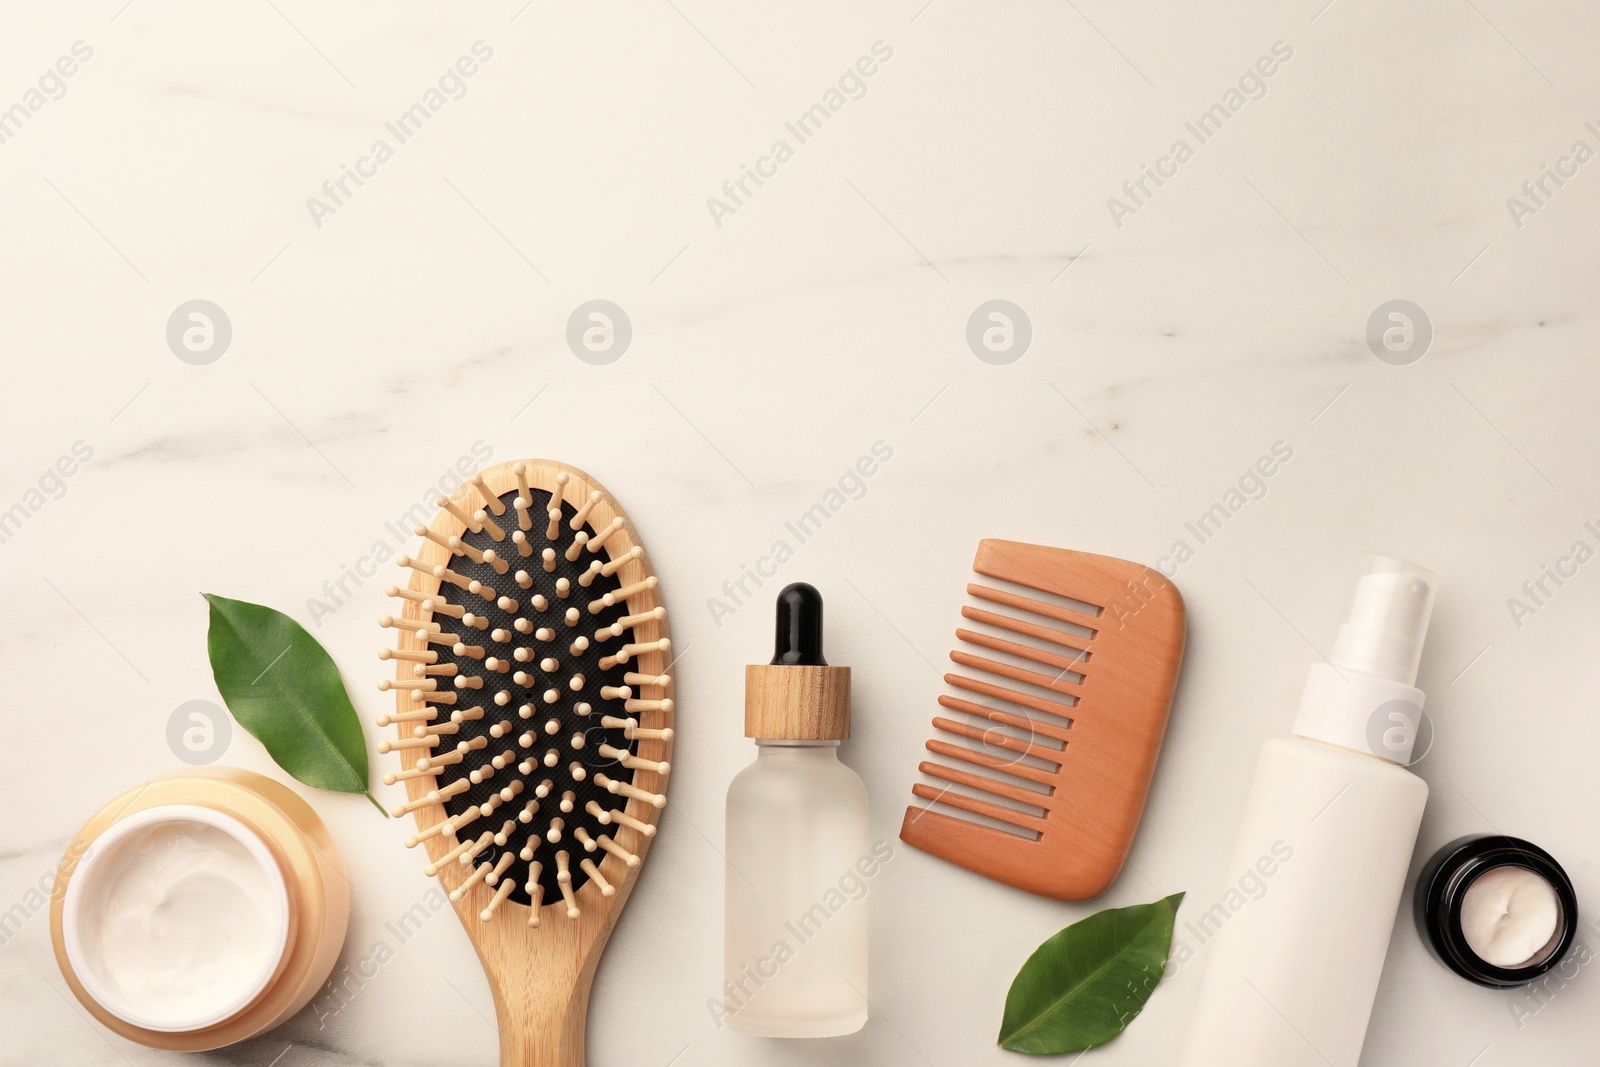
1328 831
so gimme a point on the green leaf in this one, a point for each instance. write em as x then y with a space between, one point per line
1083 986
283 687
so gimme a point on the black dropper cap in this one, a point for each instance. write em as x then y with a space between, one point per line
799 627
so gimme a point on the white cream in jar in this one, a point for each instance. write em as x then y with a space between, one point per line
1509 914
177 919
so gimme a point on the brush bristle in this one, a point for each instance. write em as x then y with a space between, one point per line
532 750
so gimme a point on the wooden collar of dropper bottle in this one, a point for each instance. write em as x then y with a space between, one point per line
797 697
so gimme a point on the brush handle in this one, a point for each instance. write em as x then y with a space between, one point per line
540 1030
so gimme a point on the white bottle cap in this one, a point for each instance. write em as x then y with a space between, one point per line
1386 620
1365 697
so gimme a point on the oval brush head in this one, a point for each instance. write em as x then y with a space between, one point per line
533 719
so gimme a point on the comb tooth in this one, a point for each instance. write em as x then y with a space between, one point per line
564 879
442 542
492 558
631 650
409 655
471 880
599 540
1007 718
520 470
466 520
459 547
408 624
576 548
1065 663
490 501
648 705
421 715
500 895
524 496
632 762
415 564
998 740
483 842
520 539
583 513
628 622
443 607
536 892
386 684
489 524
994 763
616 564
524 521
386 747
467 818
406 594
427 833
448 858
391 777
622 817
431 797
1011 696
618 595
553 530
586 579
979 782
1037 607
618 851
556 494
647 679
628 789
549 558
979 807
500 867
1016 674
445 574
584 839
606 888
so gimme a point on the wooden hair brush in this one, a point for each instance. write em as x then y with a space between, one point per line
1062 708
533 716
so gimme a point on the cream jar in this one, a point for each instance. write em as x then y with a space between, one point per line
1498 911
199 909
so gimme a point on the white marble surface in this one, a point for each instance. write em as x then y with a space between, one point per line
827 312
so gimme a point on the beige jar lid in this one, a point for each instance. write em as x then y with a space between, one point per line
313 874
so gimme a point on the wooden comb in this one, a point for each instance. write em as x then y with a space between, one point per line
1065 722
534 713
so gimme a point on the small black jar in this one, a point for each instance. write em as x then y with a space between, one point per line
1443 885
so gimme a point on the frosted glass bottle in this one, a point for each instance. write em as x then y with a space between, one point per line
795 944
1328 834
